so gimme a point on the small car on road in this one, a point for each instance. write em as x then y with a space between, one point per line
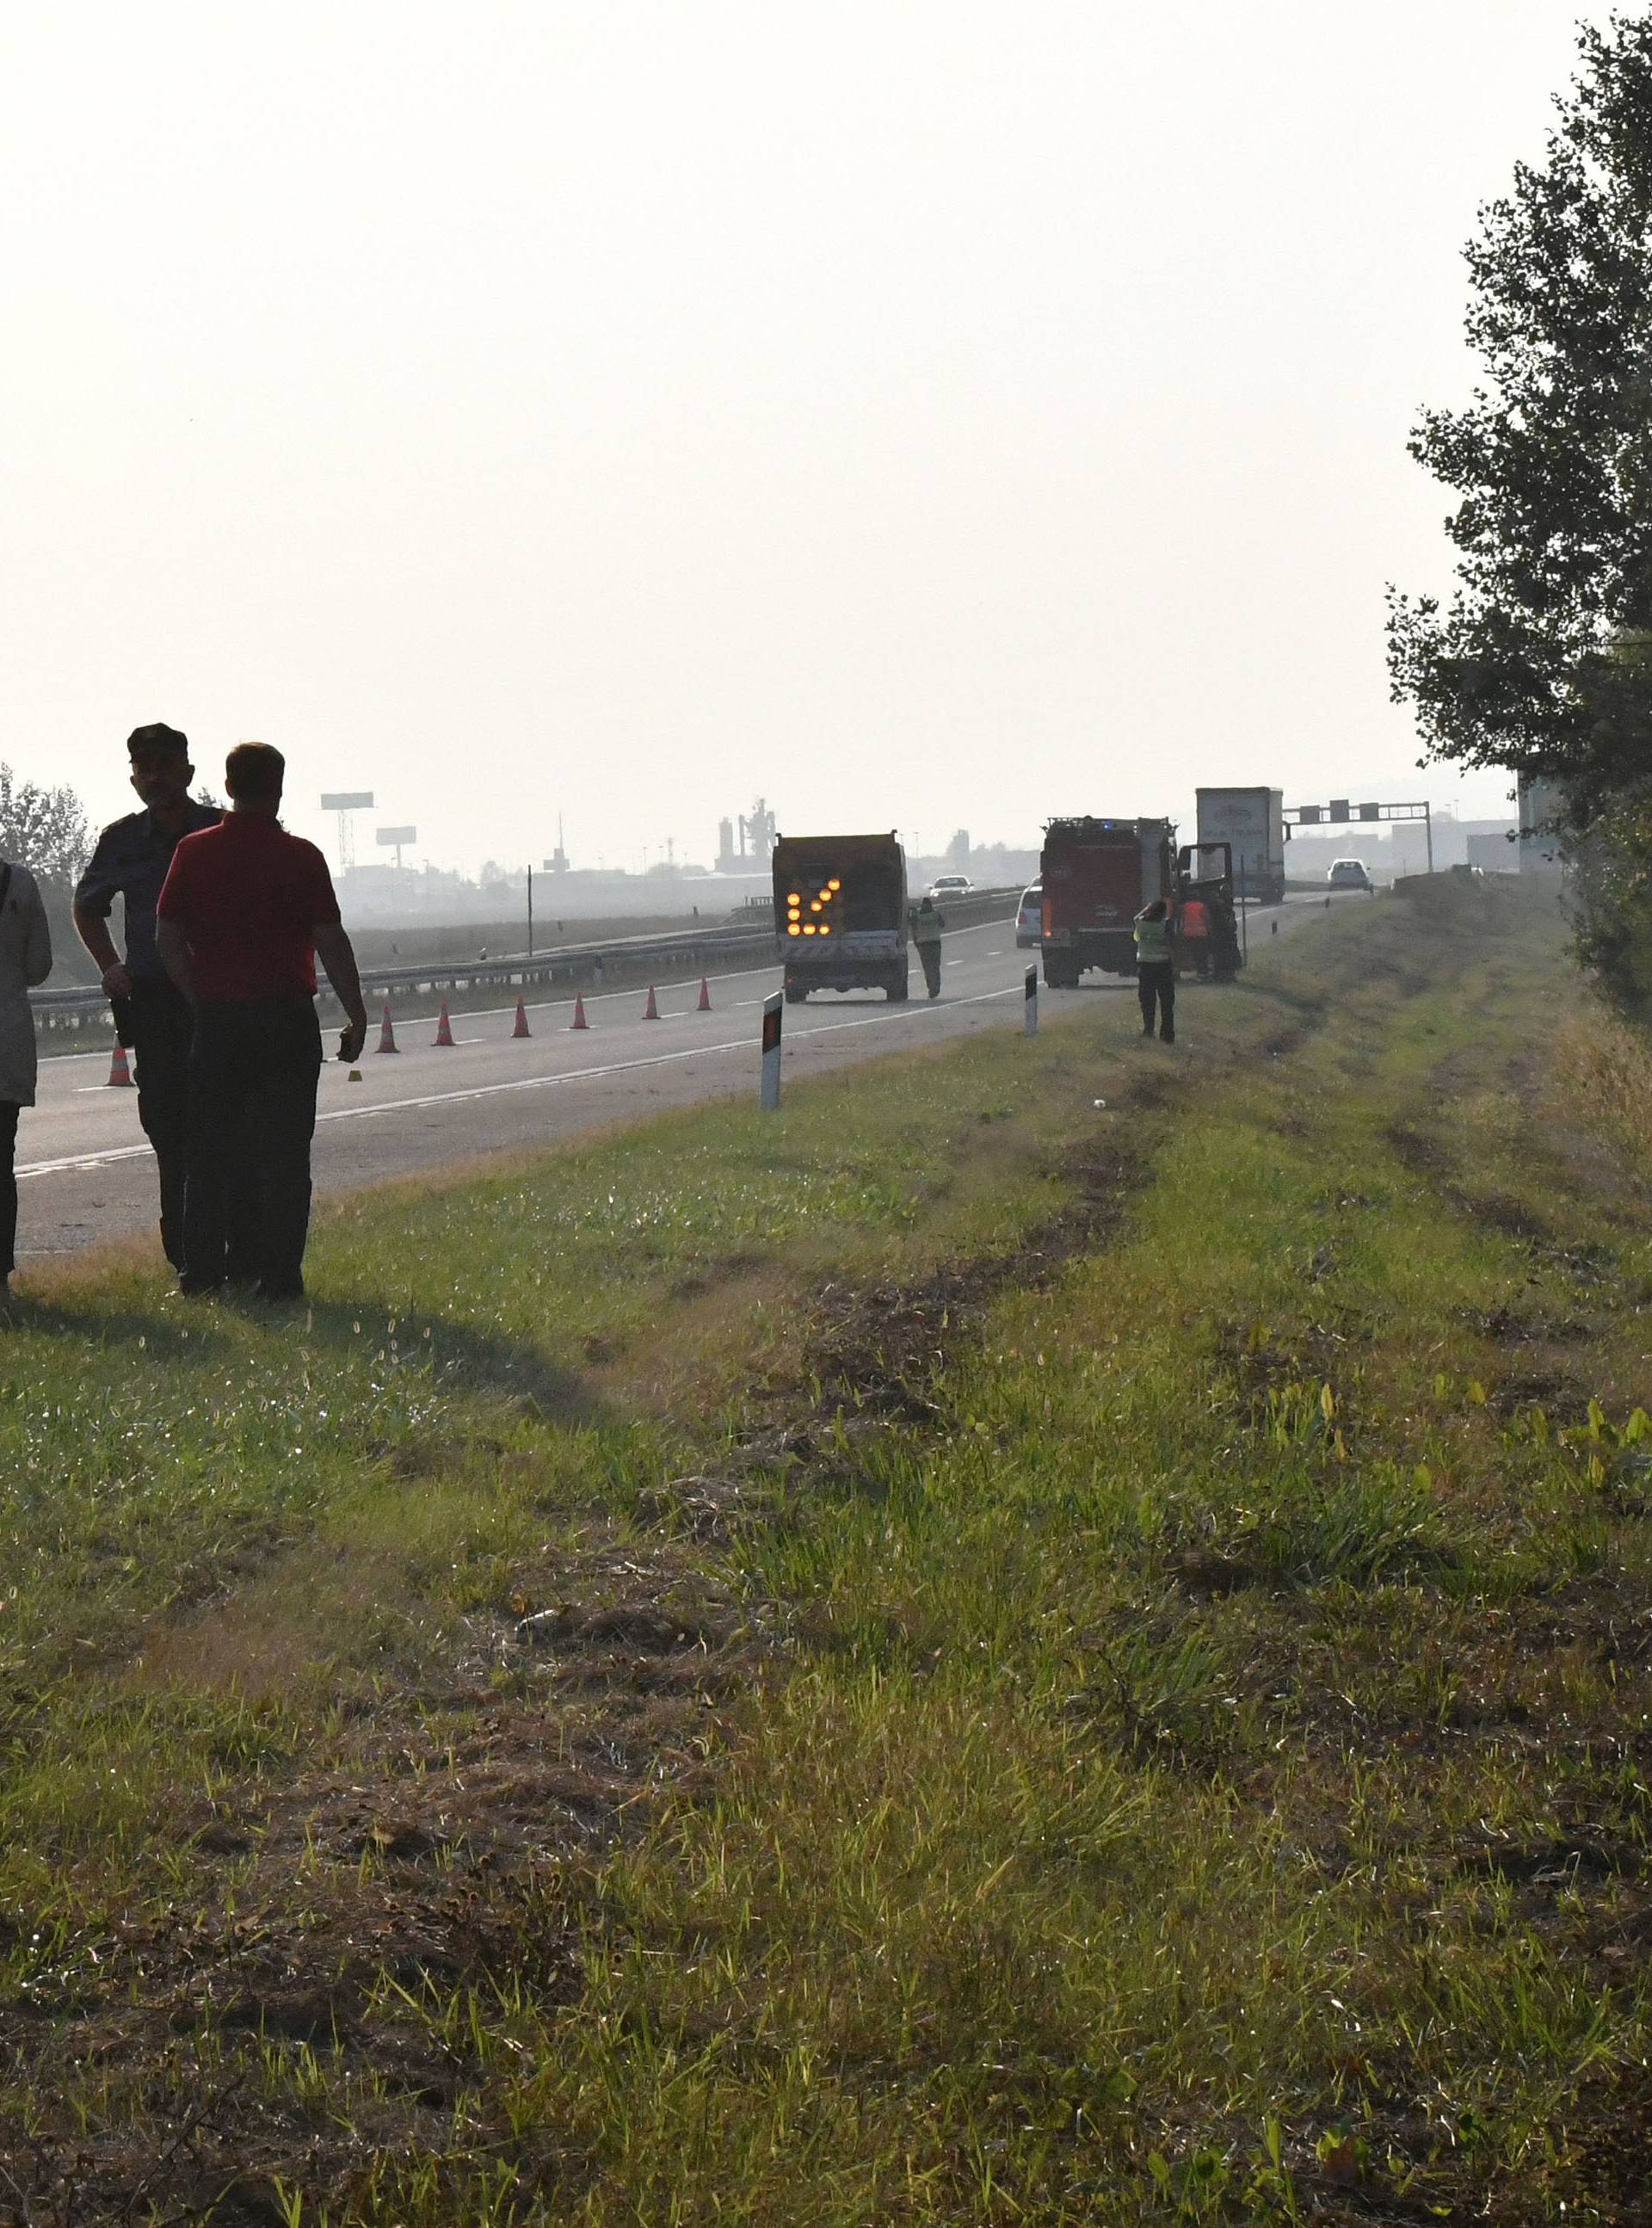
1349 874
950 886
1029 918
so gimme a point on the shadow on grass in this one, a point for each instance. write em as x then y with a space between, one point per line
184 1332
465 1358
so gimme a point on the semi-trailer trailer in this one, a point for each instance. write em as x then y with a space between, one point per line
1253 822
1096 876
840 913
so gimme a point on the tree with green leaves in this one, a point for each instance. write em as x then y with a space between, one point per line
44 829
1541 659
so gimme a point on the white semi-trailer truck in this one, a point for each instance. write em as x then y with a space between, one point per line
1252 821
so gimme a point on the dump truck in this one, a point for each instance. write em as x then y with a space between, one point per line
1096 875
1252 821
840 913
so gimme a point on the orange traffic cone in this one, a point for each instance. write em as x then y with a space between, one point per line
119 1074
651 1012
579 1020
521 1029
387 1034
444 1027
705 996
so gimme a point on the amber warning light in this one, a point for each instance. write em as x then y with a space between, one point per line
796 904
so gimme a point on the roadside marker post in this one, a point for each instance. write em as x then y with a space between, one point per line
769 1096
1029 1002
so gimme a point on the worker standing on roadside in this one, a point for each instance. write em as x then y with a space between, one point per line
1156 973
25 960
926 926
245 911
130 862
1193 927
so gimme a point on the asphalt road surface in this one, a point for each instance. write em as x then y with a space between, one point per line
86 1173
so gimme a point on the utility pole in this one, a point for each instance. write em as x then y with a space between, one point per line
530 913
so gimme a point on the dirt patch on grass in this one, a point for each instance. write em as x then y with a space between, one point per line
446 1846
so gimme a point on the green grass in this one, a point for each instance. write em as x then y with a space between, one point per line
963 1655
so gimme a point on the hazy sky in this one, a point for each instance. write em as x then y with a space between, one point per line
928 413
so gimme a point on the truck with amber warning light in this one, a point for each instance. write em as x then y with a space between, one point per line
1095 876
840 913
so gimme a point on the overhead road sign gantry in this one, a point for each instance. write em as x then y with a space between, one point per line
396 840
1340 812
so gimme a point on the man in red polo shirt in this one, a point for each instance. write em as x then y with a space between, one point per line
244 913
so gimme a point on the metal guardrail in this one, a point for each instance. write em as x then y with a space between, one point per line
578 965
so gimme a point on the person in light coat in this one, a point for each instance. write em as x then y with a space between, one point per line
25 959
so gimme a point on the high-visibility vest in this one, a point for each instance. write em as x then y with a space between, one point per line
926 926
1194 920
1152 941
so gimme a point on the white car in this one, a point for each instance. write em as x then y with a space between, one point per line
950 886
1349 874
1030 920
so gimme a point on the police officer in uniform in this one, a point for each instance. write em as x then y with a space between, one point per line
151 1016
926 928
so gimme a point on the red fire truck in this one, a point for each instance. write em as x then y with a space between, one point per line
1097 875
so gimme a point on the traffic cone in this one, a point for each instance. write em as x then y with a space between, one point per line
521 1029
444 1027
579 1020
704 996
387 1034
120 1075
651 1012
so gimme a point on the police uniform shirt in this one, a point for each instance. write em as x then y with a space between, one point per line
131 862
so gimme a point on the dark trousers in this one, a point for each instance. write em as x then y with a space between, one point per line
8 1186
157 1027
156 1022
254 1066
1156 985
930 958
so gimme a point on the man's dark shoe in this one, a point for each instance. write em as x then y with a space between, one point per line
280 1296
200 1288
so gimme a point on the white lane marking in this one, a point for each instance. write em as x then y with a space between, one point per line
77 1160
82 1161
659 1059
545 1005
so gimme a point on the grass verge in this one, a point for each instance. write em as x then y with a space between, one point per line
972 1654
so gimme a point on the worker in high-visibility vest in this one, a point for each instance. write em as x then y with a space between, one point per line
1193 927
926 926
1156 972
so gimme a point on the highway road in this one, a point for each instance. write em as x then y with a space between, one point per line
86 1173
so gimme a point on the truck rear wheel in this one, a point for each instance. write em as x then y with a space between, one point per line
795 993
1061 974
